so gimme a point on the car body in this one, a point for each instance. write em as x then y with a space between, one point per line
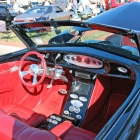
7 14
115 3
50 12
76 74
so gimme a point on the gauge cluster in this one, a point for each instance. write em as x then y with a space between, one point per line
88 65
83 61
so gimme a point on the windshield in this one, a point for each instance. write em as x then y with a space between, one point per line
38 10
51 35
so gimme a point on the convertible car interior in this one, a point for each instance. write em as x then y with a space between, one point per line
66 91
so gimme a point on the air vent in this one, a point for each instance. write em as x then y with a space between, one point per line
82 75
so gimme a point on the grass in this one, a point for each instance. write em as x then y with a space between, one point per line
46 36
12 37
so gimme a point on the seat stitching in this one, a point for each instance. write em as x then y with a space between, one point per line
19 111
12 114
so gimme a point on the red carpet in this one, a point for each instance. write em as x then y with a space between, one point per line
110 107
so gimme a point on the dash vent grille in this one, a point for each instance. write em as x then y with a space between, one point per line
82 75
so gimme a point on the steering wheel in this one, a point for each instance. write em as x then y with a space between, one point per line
34 70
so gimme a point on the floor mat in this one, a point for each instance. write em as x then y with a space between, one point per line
54 103
110 107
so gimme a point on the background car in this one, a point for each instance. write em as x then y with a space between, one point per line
7 14
50 12
115 3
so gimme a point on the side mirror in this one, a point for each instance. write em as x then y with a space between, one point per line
73 32
57 31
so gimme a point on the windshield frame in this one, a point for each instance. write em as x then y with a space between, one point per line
18 29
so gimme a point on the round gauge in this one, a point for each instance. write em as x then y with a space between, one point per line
77 110
68 57
66 112
76 103
54 122
58 119
53 117
71 108
87 60
78 117
74 96
79 59
94 62
84 99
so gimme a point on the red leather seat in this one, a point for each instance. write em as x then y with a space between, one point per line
24 114
13 129
67 131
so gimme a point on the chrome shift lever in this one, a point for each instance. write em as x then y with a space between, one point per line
57 72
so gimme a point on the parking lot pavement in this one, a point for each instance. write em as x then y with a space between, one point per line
7 49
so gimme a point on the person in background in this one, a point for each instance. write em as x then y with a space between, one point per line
15 7
75 7
102 5
30 4
82 2
46 3
43 2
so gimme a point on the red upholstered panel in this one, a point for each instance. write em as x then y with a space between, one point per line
67 131
79 134
100 93
13 129
62 129
24 114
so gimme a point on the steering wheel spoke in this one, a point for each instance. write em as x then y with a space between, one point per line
23 73
34 79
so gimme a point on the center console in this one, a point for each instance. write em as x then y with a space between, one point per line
75 107
78 100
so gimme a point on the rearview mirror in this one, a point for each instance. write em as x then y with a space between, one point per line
73 32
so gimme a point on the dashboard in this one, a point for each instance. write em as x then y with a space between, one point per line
87 67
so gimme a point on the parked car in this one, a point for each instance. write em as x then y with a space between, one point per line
7 14
71 83
115 3
50 12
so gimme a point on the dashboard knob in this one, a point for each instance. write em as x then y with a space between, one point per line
68 57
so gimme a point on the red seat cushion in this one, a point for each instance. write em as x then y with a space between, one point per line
67 131
13 129
24 114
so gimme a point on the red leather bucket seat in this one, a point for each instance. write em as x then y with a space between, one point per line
24 114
